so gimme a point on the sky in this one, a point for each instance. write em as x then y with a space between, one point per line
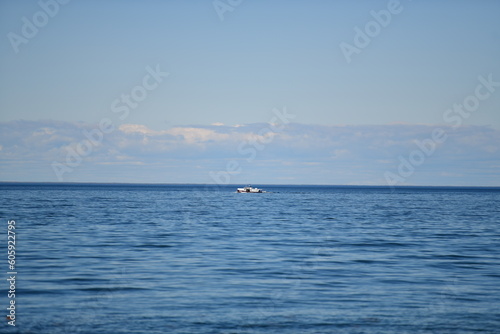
236 91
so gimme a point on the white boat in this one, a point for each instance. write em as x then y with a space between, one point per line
249 189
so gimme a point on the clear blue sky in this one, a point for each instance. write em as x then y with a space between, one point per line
263 55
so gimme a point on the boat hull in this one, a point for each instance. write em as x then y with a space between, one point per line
249 190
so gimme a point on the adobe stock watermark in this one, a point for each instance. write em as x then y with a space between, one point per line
453 116
223 6
31 26
121 106
373 28
249 148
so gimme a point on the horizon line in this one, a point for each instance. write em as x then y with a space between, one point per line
239 184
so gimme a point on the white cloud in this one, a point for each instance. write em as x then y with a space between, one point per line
334 154
136 128
197 135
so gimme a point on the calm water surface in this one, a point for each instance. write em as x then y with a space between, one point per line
298 259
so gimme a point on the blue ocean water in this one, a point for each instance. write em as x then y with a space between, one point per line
297 259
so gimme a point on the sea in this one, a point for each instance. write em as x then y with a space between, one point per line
150 258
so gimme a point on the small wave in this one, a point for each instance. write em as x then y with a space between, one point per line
111 289
153 246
